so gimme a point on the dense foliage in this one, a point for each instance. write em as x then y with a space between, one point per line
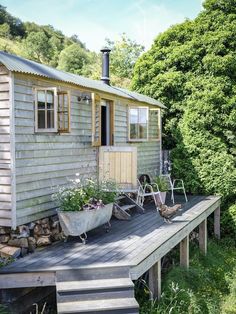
124 54
191 68
207 288
14 25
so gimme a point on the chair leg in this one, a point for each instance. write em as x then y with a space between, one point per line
141 200
172 196
161 198
155 202
186 199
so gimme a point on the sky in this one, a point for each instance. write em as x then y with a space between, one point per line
95 20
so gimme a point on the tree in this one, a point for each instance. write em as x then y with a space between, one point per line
15 24
73 59
57 46
191 68
4 30
75 39
38 47
124 54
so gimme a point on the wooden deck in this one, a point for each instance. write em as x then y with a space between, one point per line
136 244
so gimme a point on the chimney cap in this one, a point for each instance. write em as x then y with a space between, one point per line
105 49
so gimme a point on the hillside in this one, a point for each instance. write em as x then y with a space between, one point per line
45 44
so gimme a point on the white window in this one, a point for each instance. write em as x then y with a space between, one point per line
45 110
138 123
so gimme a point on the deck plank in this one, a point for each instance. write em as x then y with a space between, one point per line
129 243
63 251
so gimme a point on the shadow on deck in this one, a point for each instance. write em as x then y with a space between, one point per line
127 244
97 277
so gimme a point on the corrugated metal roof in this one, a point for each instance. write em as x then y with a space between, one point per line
18 64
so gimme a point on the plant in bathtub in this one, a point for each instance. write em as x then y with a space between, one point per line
163 188
84 206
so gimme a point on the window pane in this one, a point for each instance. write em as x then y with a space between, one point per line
133 120
63 111
66 122
41 99
41 119
60 100
41 96
50 99
133 115
153 128
143 115
142 131
41 105
60 124
66 101
133 130
50 119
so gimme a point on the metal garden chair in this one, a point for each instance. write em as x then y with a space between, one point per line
147 189
174 185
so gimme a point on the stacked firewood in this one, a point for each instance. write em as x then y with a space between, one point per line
25 239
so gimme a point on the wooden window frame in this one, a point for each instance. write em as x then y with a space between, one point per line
112 119
96 101
134 139
68 130
153 139
96 98
46 130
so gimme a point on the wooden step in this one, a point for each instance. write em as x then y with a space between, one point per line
120 197
95 289
92 273
105 294
127 207
128 305
99 284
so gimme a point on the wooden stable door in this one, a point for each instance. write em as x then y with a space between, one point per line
118 164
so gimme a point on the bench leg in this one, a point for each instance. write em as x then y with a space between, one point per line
217 223
203 236
184 252
155 280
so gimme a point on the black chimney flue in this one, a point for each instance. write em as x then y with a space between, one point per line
105 65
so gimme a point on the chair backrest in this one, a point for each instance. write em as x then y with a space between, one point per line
167 178
144 178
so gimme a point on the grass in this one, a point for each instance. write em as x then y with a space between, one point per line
208 287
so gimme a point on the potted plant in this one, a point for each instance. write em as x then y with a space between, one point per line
83 207
162 185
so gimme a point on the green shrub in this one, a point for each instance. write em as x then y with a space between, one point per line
229 303
191 68
228 221
208 287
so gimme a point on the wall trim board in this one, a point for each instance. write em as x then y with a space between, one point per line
12 149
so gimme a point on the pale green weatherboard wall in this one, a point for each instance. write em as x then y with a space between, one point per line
44 161
5 149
